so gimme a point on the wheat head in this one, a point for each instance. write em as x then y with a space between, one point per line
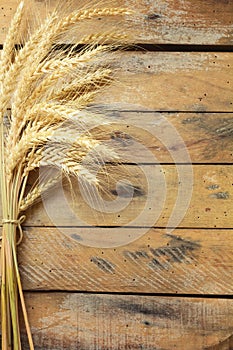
45 121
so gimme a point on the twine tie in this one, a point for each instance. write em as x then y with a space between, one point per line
18 223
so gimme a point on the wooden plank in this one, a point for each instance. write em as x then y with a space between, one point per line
172 81
127 260
111 322
166 21
207 137
149 200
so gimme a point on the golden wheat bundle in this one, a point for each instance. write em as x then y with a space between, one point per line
45 121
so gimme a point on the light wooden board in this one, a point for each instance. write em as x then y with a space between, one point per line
172 81
207 137
176 22
111 322
149 199
184 261
197 257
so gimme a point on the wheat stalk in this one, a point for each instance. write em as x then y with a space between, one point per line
47 92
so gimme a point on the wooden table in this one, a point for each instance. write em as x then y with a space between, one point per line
167 289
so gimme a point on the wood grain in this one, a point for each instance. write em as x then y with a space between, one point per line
172 81
147 197
134 260
96 251
207 137
112 322
176 22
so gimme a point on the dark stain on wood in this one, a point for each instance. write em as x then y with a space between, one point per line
155 263
103 264
182 247
136 255
127 190
121 137
151 309
226 130
177 241
141 254
220 127
191 120
212 187
178 250
152 16
220 195
219 132
76 237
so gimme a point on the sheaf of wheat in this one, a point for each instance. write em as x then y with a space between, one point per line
44 121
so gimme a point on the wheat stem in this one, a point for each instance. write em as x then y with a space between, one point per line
28 330
48 93
4 295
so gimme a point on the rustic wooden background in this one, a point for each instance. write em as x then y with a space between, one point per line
162 291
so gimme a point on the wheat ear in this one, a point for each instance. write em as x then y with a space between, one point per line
9 46
48 92
36 192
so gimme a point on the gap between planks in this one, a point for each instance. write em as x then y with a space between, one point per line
179 22
164 295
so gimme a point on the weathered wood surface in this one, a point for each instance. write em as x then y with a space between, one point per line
111 322
184 261
173 81
197 257
177 22
152 193
207 137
